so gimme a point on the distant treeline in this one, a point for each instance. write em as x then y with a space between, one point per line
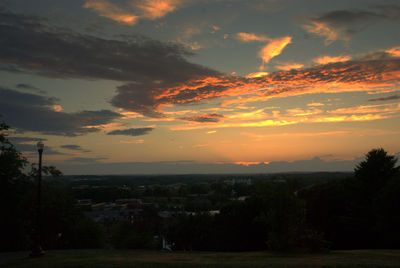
305 178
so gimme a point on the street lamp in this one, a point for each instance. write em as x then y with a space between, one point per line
37 250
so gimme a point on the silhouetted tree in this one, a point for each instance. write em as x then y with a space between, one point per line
377 168
63 224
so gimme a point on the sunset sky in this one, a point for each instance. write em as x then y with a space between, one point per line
200 86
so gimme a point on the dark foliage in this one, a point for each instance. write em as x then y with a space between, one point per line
139 233
63 224
360 211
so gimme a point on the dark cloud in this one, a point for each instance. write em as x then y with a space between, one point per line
30 88
132 131
344 23
206 118
85 160
28 44
30 112
22 145
74 147
28 145
345 17
25 139
393 97
139 98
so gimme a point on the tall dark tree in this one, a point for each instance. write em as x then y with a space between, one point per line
64 225
377 168
13 187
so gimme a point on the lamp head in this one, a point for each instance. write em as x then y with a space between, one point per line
40 146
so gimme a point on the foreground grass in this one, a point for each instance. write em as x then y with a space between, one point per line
92 258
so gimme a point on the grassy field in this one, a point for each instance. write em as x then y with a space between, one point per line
93 258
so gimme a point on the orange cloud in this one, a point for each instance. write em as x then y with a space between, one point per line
133 142
257 74
260 137
154 9
263 123
250 37
301 112
324 30
394 52
367 109
243 163
192 45
57 108
214 29
274 48
351 76
314 104
257 114
148 9
367 117
329 59
290 66
111 11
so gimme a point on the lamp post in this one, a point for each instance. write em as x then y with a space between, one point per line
37 250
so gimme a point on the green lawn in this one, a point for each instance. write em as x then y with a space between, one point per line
103 258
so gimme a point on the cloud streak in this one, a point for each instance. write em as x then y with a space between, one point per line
330 59
206 118
251 37
393 97
131 131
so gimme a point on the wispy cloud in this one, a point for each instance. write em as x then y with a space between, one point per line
257 74
73 147
251 37
369 109
330 59
111 11
274 48
85 160
315 104
132 11
393 97
133 141
132 131
324 30
205 118
154 9
289 66
394 52
28 87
